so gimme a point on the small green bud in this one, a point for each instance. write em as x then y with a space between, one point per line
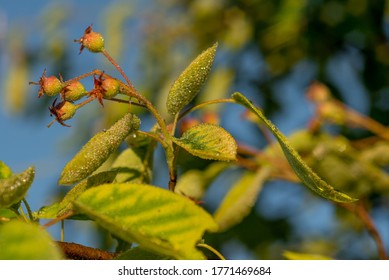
73 91
110 87
93 41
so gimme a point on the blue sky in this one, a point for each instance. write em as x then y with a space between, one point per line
27 141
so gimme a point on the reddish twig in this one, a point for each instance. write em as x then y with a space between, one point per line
76 251
360 211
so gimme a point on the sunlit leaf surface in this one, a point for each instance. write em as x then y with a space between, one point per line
26 241
240 199
208 141
156 219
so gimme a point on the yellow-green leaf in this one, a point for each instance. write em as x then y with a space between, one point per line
26 241
7 214
97 150
208 141
302 170
240 199
304 256
66 205
189 83
156 219
14 188
5 171
191 184
133 166
194 183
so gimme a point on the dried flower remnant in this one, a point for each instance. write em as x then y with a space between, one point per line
62 111
104 88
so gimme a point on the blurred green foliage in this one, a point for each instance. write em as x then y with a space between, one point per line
283 34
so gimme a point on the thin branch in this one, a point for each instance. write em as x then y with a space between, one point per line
91 73
151 135
28 209
76 251
211 249
126 102
360 211
60 218
117 66
198 106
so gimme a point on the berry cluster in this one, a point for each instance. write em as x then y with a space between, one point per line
105 87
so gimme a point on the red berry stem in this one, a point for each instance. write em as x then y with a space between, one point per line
117 66
118 100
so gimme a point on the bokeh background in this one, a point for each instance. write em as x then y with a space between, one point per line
269 50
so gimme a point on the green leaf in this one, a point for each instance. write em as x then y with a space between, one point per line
194 183
302 170
7 214
66 205
133 166
240 198
156 219
5 171
97 150
208 141
189 83
14 188
303 256
191 184
26 241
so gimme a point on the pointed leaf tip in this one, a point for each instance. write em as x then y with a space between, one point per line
14 188
189 83
5 171
302 170
240 199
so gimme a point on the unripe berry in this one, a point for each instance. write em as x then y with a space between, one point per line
91 40
73 91
66 110
51 86
110 87
62 111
